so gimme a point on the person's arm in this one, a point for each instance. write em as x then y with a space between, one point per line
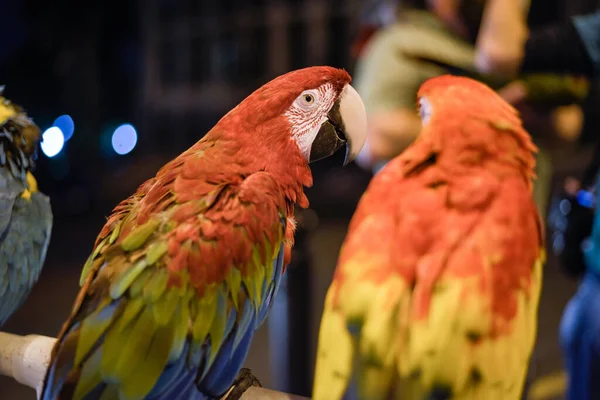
503 46
501 38
388 75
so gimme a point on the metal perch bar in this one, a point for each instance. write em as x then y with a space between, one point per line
26 358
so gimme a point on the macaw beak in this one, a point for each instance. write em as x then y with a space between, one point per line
346 124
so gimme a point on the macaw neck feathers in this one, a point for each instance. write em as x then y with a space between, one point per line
227 156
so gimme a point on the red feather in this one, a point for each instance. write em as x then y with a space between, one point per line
216 193
457 203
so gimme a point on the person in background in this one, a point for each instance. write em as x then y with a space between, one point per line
423 39
428 38
506 47
580 325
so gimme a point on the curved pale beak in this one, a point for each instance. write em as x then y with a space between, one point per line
346 124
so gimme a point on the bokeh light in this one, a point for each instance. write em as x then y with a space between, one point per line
66 125
53 141
124 139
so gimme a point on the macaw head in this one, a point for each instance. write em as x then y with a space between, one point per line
314 107
457 97
472 123
19 138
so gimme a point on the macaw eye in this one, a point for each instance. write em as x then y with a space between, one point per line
424 110
308 99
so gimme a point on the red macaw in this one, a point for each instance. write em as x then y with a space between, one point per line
436 290
186 269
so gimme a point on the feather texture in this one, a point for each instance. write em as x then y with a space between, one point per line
25 229
185 270
25 213
178 294
437 285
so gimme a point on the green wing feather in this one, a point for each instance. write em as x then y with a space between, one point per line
168 284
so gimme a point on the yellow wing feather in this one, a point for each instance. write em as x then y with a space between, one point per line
371 342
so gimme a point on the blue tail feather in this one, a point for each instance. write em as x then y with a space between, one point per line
213 378
231 318
177 382
264 310
273 287
197 353
246 321
52 387
236 362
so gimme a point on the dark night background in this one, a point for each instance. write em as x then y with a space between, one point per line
171 69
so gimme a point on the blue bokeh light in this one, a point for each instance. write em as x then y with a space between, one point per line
66 125
53 141
124 139
585 198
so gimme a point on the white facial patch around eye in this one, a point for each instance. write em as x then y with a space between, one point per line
425 110
308 100
306 119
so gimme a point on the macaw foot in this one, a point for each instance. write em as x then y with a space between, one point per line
244 380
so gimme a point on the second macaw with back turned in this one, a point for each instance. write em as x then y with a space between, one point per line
186 269
436 291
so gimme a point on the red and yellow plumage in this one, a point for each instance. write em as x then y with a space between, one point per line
438 281
186 268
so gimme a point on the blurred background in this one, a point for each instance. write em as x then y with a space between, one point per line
121 87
